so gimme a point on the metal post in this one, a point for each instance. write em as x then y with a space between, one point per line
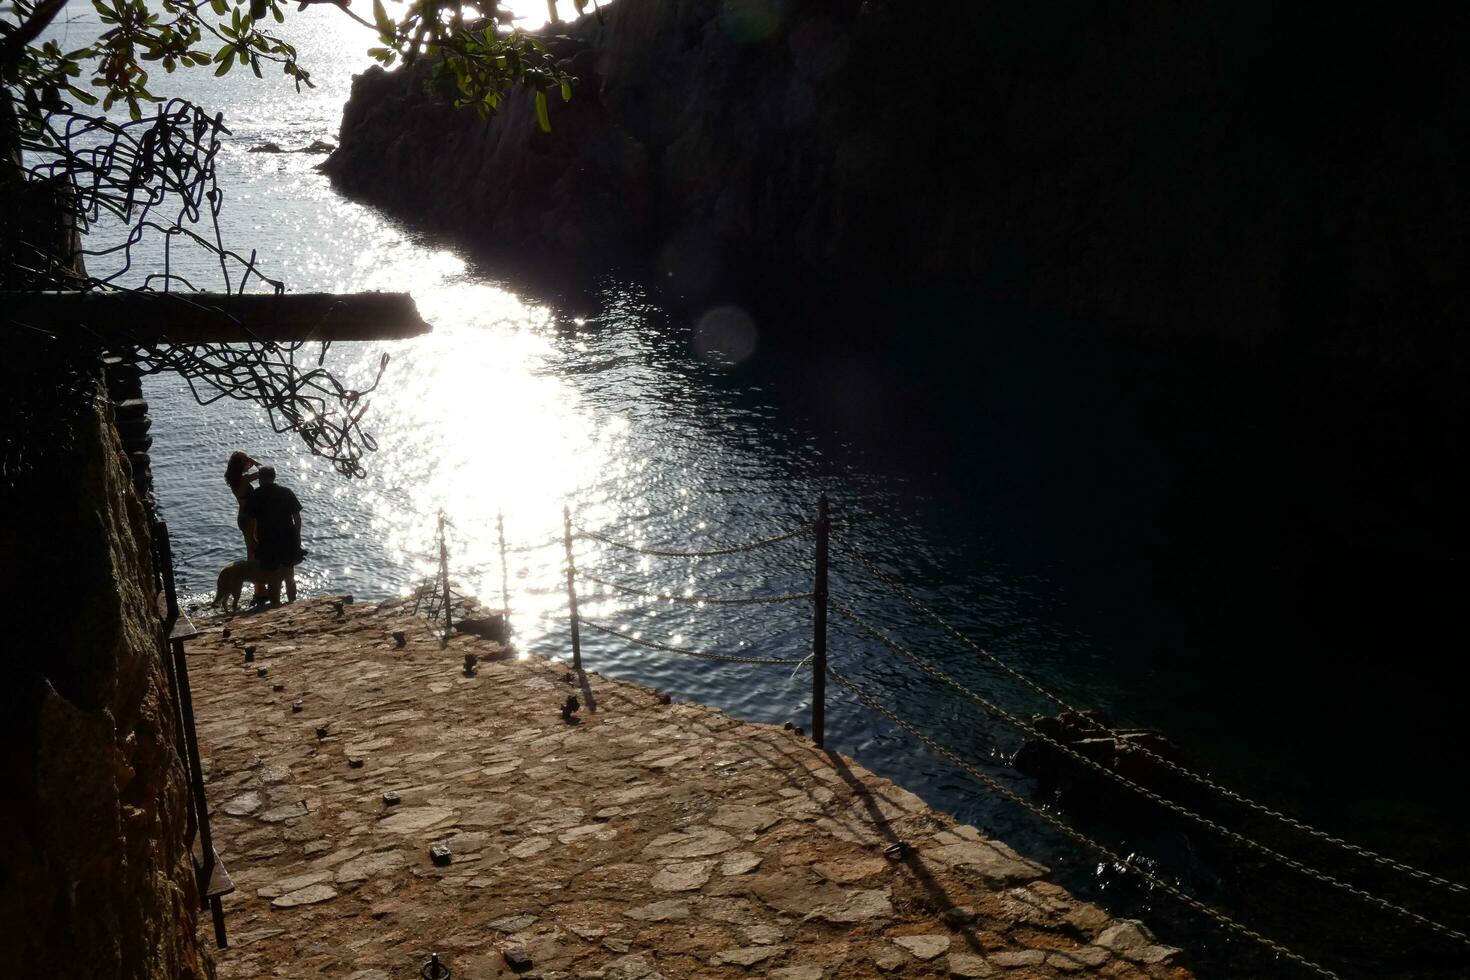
444 579
566 514
504 580
166 572
819 627
163 553
195 769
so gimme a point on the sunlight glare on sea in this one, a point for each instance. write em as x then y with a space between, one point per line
473 419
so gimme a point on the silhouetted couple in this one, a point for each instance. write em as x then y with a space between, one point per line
270 519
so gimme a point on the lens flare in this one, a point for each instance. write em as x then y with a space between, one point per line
725 337
748 21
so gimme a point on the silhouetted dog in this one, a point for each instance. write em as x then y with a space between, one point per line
232 579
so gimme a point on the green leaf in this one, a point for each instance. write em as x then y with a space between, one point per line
543 115
84 97
566 90
384 22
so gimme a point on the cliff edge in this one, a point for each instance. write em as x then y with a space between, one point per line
1243 172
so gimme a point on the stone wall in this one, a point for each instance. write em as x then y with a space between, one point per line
95 882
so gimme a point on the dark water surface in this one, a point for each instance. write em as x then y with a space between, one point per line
1263 562
1146 537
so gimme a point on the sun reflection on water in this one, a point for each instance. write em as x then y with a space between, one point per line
478 424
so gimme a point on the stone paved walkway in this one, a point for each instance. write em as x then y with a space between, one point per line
645 841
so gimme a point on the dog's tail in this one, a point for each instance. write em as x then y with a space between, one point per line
221 597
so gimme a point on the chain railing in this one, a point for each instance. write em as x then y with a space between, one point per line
702 600
436 597
1199 779
1177 809
707 553
819 530
686 652
1076 836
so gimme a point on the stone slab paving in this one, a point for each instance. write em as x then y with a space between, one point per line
644 841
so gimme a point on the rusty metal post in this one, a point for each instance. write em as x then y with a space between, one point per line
163 555
504 575
819 627
566 514
195 770
444 579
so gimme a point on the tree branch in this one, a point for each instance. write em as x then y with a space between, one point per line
41 17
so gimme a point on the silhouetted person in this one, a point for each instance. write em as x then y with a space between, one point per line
274 514
240 472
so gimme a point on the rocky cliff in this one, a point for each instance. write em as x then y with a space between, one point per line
94 879
1247 171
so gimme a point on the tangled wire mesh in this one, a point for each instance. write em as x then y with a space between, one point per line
157 178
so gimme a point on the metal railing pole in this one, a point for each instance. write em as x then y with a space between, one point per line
444 578
504 575
819 628
163 553
566 514
194 768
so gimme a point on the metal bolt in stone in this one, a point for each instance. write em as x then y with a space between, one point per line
321 731
278 687
434 970
517 958
224 634
262 671
959 915
354 763
250 654
439 854
469 664
391 798
399 639
296 707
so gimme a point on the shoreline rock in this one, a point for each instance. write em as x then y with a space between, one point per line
1143 173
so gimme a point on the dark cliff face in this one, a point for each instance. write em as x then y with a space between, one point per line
95 876
1247 171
